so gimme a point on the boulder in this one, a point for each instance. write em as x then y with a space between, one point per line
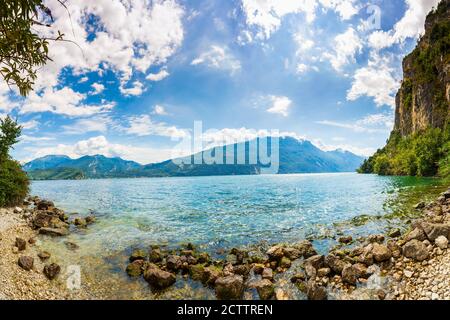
350 275
306 248
310 271
299 276
434 230
381 252
26 263
230 287
212 274
394 233
416 250
267 274
242 269
203 258
323 272
158 278
346 239
441 242
44 205
138 254
135 268
416 233
265 289
285 263
21 244
51 271
335 263
375 238
90 219
361 270
275 252
197 272
315 292
155 256
173 262
44 255
316 261
80 222
54 232
258 268
292 253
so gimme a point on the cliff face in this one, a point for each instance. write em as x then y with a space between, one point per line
423 100
420 142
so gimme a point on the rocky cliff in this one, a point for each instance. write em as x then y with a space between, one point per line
420 141
423 100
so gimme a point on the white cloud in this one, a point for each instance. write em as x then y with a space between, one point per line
361 151
266 15
135 90
411 25
218 58
100 145
158 76
28 125
376 81
144 126
62 101
280 105
159 110
97 88
346 46
372 123
94 124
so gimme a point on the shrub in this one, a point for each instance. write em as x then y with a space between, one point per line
14 183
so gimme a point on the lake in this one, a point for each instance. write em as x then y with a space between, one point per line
219 213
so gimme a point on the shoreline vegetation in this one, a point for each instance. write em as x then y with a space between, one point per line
394 266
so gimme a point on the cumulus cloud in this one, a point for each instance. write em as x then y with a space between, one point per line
411 25
266 15
218 58
159 110
377 81
63 101
145 126
346 46
97 88
280 105
100 145
158 76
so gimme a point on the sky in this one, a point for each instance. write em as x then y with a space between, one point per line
137 74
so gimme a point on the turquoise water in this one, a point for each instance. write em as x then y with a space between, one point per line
232 210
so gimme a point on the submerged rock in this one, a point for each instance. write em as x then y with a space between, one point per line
265 289
158 278
21 244
138 254
230 287
135 268
54 232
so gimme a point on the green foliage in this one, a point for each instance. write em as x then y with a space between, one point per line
423 154
22 50
14 184
57 174
9 134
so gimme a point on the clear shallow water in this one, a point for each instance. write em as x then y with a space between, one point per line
218 212
232 210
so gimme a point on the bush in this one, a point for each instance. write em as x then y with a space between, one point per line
14 183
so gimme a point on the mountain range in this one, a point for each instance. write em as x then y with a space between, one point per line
295 156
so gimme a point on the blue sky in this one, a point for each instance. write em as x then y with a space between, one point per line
143 71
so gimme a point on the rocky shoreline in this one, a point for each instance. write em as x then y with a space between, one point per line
414 265
26 271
